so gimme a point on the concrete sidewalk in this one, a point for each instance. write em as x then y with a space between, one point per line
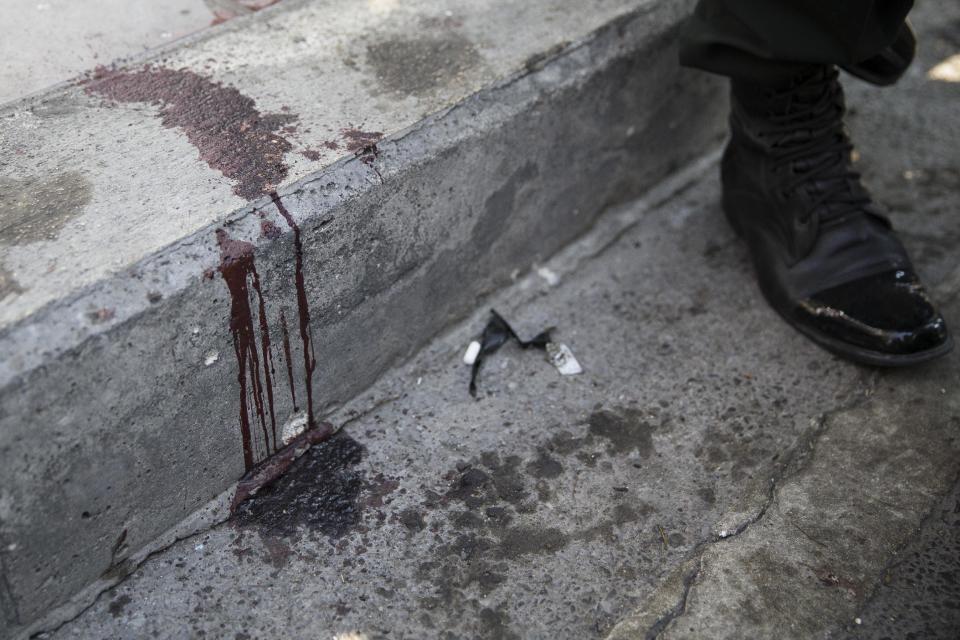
710 475
49 42
209 248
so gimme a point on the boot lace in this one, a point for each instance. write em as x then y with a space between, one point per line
808 137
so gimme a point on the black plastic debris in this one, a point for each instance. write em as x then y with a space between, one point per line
496 334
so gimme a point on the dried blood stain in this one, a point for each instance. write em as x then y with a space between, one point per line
237 268
319 492
232 136
303 309
358 140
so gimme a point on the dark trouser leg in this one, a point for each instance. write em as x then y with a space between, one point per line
766 40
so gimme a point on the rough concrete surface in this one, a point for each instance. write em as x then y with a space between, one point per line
550 506
919 592
326 68
711 474
809 566
77 36
135 402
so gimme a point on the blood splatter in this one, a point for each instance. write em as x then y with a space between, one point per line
269 230
303 308
358 140
232 136
237 268
246 146
240 274
273 467
288 359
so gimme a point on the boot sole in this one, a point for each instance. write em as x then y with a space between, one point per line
846 350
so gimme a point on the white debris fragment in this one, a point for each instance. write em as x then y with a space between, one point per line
473 350
199 547
211 358
947 71
858 621
549 275
563 359
724 533
296 425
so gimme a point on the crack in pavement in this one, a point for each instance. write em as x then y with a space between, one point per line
130 569
7 590
798 458
898 558
688 580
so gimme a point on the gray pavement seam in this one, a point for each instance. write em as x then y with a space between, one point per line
6 593
896 558
797 460
688 581
129 568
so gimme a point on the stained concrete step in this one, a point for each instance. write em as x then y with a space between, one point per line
209 249
711 474
76 36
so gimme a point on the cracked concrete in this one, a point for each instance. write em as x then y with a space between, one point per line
808 565
811 561
122 406
918 590
468 518
767 489
770 489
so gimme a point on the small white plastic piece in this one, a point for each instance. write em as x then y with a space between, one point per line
472 352
549 275
563 359
296 425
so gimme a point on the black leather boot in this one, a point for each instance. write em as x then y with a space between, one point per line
826 257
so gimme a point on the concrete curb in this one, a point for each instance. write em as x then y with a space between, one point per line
119 428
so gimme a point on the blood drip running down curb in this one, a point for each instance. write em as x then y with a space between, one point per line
287 359
236 266
245 145
303 308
